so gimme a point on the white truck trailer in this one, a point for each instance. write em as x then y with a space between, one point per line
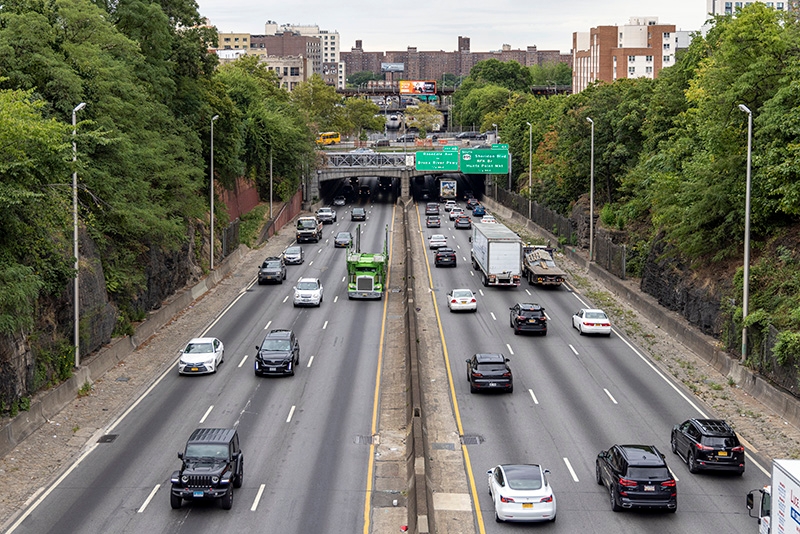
447 190
779 509
497 254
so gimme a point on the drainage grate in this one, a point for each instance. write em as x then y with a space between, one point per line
108 438
443 446
123 379
471 439
363 440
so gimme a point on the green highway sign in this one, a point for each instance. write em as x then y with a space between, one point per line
477 161
446 160
500 146
452 148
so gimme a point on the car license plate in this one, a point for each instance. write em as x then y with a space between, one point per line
527 505
195 368
492 384
272 369
649 488
197 494
722 453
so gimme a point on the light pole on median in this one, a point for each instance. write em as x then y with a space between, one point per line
530 166
215 117
591 197
746 282
76 294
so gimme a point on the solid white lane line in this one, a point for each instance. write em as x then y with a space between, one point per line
610 396
492 314
311 359
241 363
267 325
581 301
535 400
286 298
291 413
480 291
203 419
573 350
324 326
258 497
673 474
510 349
571 470
335 298
148 499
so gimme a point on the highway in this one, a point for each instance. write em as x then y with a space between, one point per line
573 397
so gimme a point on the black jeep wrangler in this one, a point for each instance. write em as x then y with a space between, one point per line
213 464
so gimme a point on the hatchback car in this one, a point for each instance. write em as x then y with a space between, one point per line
201 355
433 221
445 257
358 214
462 300
489 371
463 223
449 205
431 208
591 321
636 476
708 444
293 255
478 211
343 239
278 354
521 493
308 292
437 241
456 212
528 317
339 201
272 270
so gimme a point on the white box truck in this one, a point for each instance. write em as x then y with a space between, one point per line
779 510
447 190
497 254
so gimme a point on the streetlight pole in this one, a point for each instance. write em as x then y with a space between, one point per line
496 140
591 197
530 167
76 295
746 297
215 117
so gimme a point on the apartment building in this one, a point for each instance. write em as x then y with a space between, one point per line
329 66
233 41
725 7
638 49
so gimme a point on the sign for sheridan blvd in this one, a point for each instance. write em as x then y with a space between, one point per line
477 161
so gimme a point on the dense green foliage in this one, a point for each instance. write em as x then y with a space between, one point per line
359 78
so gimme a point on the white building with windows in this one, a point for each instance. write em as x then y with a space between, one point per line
726 7
331 67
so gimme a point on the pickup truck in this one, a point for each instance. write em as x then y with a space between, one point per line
326 215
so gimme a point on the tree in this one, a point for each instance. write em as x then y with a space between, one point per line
319 103
508 74
425 117
551 74
361 114
358 78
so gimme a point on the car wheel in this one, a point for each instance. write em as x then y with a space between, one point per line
580 329
497 517
674 443
516 332
691 460
472 388
227 499
175 501
597 474
614 506
511 389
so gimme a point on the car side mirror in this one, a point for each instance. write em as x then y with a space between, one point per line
507 360
489 472
180 455
258 348
512 309
467 360
749 502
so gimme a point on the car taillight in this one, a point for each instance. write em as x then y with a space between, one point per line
701 447
476 375
473 300
506 499
668 483
507 374
454 301
627 483
738 449
520 317
549 498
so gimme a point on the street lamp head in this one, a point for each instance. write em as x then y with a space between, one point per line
529 124
79 107
744 108
590 120
215 117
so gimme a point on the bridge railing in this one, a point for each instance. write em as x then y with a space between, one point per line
339 160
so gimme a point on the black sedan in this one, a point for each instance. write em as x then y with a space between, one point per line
489 371
343 240
463 223
445 257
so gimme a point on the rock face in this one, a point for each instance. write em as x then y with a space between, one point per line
675 287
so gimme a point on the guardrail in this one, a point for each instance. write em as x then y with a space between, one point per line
338 160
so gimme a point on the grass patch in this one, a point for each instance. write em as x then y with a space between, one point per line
85 390
251 224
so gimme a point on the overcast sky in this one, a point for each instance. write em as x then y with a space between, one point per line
489 24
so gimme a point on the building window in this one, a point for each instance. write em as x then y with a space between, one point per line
631 71
648 70
737 5
667 59
285 71
649 59
666 35
295 71
227 39
779 5
770 4
631 59
666 46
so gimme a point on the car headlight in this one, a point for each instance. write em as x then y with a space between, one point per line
185 479
215 479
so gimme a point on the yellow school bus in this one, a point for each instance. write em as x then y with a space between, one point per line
328 138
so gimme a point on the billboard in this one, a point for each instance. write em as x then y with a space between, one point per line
393 67
417 87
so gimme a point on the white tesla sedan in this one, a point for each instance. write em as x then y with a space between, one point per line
521 492
202 355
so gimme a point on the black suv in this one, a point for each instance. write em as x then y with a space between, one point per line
636 476
528 317
708 444
358 214
489 371
278 354
213 464
445 257
272 270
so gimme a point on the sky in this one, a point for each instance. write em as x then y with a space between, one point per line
431 26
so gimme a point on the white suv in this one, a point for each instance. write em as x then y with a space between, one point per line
308 292
450 204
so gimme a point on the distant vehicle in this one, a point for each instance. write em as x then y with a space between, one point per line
489 371
329 138
471 136
364 191
497 253
463 223
591 321
326 215
308 229
449 205
708 444
358 214
308 292
462 300
278 354
472 202
488 219
539 267
445 257
447 190
528 317
272 270
407 138
636 476
433 221
456 212
293 255
521 493
437 241
478 211
339 201
343 240
424 194
201 355
362 150
431 208
382 142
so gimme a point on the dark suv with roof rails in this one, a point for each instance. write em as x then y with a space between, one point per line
636 476
212 465
528 317
278 354
708 444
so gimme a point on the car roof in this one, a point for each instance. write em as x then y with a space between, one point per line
490 358
212 435
446 249
438 236
282 333
201 340
272 258
593 310
341 233
305 279
642 455
714 427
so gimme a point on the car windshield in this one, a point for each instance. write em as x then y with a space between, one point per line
307 285
275 344
205 450
462 293
524 478
596 315
648 473
271 265
305 224
292 250
199 348
342 235
358 211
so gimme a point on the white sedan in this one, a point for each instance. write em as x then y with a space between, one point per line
462 300
591 321
201 355
456 212
521 492
488 219
437 241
